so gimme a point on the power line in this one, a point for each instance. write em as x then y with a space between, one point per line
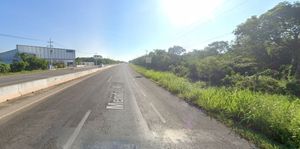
20 37
196 25
78 51
214 38
59 44
50 43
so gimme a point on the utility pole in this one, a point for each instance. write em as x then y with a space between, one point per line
50 43
96 58
50 46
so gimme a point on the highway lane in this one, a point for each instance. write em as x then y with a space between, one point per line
115 108
20 78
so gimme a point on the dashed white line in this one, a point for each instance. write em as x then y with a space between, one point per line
109 79
143 93
134 82
159 115
77 130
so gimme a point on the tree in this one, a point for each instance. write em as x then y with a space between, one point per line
4 68
99 61
250 42
17 66
160 60
34 63
218 47
176 50
212 70
273 37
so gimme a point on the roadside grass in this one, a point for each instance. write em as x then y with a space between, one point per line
269 121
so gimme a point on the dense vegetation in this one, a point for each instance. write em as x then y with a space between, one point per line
253 80
27 62
275 116
4 68
265 56
104 61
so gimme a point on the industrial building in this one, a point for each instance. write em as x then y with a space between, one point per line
53 55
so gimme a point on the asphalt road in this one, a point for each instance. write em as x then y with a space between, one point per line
19 78
115 108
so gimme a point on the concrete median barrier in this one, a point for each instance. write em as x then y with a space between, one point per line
17 90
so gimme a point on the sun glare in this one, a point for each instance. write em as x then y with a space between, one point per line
186 12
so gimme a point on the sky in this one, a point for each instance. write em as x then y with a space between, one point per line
123 29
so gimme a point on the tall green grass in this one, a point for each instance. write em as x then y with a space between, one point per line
277 117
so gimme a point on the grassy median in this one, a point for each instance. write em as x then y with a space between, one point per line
22 72
269 121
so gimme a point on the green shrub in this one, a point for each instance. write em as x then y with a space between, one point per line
4 68
34 63
210 69
232 80
200 84
179 70
18 66
271 73
59 65
266 84
293 87
255 83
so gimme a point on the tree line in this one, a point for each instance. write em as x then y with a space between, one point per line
104 61
264 56
26 62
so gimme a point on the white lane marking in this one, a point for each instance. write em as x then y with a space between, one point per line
117 98
109 79
141 120
115 106
159 115
134 82
77 130
143 93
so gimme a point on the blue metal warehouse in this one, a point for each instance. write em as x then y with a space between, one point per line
67 56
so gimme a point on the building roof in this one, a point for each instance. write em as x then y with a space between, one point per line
43 47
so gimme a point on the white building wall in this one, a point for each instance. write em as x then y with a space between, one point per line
57 54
